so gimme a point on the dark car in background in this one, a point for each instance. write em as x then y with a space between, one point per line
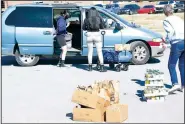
100 5
129 9
115 8
147 9
179 6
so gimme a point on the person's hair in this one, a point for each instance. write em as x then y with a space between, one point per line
63 12
86 14
168 9
93 8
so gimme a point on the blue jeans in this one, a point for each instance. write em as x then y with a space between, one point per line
177 53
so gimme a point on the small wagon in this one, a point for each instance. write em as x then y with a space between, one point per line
121 58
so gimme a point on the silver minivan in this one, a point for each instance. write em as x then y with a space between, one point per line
27 33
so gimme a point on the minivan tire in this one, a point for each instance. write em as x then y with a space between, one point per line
138 45
34 59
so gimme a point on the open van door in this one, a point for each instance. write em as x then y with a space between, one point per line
34 33
111 37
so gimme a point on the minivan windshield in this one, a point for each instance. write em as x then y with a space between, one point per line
100 5
119 18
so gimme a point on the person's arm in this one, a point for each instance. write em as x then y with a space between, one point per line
67 22
169 30
54 31
84 27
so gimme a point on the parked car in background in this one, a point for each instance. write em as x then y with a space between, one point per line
115 8
159 7
115 1
129 9
147 9
179 6
100 5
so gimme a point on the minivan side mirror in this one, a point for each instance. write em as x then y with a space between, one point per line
118 26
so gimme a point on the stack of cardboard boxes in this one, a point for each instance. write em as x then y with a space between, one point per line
94 107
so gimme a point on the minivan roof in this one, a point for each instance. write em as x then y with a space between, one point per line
35 5
68 5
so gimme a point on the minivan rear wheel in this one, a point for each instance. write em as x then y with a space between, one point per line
26 60
140 53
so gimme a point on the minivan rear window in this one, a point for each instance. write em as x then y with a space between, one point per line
34 17
10 20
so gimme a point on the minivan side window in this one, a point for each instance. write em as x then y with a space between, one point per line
109 22
10 20
40 17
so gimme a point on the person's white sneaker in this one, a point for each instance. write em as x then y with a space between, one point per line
174 88
181 89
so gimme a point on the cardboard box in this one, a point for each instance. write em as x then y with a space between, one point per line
116 85
90 100
116 113
127 47
118 47
121 47
88 114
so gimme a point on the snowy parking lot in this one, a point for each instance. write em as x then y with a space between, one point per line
43 93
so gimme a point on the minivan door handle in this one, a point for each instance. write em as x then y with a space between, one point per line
47 32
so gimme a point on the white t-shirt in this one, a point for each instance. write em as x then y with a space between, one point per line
174 27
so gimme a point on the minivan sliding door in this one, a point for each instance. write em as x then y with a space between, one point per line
110 38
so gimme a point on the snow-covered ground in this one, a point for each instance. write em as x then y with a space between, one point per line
43 93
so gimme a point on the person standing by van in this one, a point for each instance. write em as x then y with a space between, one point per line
61 32
174 27
93 23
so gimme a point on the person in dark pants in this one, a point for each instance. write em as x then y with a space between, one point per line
61 32
174 27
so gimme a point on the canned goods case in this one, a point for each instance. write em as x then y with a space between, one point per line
154 86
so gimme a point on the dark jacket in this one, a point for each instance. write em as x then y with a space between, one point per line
86 25
61 25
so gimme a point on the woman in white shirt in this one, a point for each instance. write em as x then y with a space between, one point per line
174 27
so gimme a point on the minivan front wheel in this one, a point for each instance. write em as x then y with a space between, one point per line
26 60
140 53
